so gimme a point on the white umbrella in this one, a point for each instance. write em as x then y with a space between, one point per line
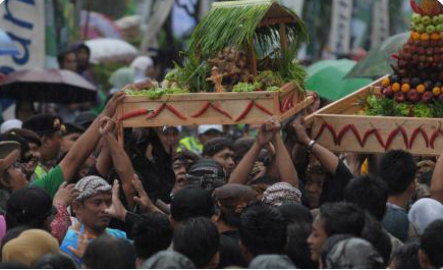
110 50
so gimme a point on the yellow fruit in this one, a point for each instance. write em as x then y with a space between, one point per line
424 37
421 88
436 91
386 82
396 87
405 88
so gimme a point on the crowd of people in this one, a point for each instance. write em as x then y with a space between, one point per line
265 196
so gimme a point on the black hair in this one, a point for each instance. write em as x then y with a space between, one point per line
432 243
406 257
109 252
61 57
342 218
186 155
368 193
375 234
297 248
82 46
263 230
151 235
229 216
216 145
398 169
296 213
198 239
54 261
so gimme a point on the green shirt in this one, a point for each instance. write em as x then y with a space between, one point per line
51 181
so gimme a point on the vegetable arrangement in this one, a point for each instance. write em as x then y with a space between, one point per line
235 49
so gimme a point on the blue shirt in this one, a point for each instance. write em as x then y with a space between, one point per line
71 239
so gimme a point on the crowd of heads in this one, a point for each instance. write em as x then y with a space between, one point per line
72 195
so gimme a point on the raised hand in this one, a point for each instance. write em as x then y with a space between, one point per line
113 103
117 210
82 243
142 199
65 194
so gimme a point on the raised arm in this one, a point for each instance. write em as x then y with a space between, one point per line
284 162
122 163
88 141
326 158
437 181
241 173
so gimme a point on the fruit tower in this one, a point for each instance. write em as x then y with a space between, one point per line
418 71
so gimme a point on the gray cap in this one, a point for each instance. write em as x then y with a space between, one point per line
354 253
168 260
91 185
272 262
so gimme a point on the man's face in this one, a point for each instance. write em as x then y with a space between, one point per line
180 170
317 239
70 62
18 178
226 159
52 146
68 141
209 135
83 57
313 188
92 211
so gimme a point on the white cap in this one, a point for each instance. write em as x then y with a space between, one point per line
205 128
179 128
10 124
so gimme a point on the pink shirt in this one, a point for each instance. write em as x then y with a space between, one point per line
2 227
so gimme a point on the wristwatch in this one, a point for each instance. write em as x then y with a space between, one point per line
310 145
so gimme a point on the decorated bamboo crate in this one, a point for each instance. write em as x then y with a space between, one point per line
212 108
340 128
244 74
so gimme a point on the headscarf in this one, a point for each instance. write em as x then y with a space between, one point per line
29 246
353 253
168 260
120 78
280 193
90 186
424 212
272 262
140 65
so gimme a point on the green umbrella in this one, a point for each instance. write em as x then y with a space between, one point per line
377 62
327 79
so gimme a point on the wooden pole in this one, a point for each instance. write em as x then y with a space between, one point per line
283 36
253 59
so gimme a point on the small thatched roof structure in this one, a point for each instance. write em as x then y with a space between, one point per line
240 23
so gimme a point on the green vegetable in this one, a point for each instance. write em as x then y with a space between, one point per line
155 93
244 87
423 110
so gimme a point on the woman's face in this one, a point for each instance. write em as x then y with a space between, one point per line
313 189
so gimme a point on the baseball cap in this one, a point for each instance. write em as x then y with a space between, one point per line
28 205
205 128
191 202
178 128
206 174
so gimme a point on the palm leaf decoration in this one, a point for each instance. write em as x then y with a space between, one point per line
252 25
